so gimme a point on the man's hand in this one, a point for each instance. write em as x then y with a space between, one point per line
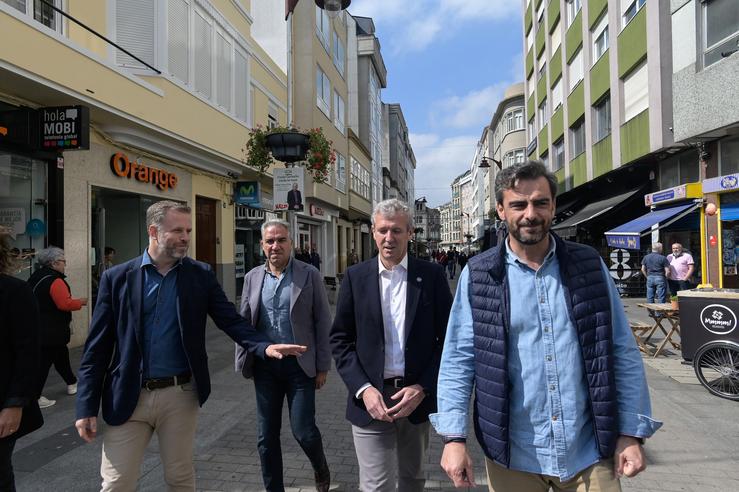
10 419
375 405
321 379
280 350
456 462
87 428
629 457
410 397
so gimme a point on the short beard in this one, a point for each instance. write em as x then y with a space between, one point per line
531 239
170 252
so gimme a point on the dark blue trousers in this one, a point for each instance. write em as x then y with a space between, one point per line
274 381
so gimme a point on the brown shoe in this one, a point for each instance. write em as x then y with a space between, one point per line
323 479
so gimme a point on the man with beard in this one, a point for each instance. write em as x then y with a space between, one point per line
538 330
387 338
145 354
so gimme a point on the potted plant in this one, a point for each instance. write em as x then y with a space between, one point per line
290 145
673 301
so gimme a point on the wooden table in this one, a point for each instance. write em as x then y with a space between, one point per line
659 312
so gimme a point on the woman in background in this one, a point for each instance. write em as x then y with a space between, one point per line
19 360
56 304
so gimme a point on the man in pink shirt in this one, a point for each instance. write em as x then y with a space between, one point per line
682 267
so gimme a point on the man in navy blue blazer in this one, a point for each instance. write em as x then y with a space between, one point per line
387 340
145 357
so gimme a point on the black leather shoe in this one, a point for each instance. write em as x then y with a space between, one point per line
323 479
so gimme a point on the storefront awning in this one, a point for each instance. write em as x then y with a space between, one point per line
628 235
568 227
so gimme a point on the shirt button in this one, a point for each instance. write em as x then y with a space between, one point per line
551 387
554 418
549 357
546 329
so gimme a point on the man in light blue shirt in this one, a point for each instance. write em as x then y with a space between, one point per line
538 330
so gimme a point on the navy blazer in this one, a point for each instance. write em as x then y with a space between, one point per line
358 334
112 366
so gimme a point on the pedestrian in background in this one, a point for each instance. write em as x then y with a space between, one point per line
451 264
387 338
656 269
286 301
315 258
682 267
145 357
55 301
538 330
19 362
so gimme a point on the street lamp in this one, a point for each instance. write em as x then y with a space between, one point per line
485 164
333 7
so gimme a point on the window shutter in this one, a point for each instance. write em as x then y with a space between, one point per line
203 42
136 31
636 92
242 84
178 27
223 71
556 37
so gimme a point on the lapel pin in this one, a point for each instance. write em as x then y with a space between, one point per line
418 279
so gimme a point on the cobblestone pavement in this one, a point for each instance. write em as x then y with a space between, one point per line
696 450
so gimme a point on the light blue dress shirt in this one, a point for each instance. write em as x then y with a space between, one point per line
551 428
274 306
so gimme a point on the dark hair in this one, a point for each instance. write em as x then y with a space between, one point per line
529 170
7 253
109 250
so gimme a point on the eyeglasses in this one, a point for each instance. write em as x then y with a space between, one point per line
63 261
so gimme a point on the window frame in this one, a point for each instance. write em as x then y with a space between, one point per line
320 96
717 46
598 133
572 8
600 33
627 14
575 150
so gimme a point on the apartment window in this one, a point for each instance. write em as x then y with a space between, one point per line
600 38
532 128
629 8
323 28
558 157
360 183
530 85
679 169
540 17
340 172
224 66
272 115
720 29
575 70
572 8
323 92
41 12
636 92
544 158
729 156
339 54
556 39
529 40
513 121
339 112
135 28
602 117
543 116
542 70
557 97
577 139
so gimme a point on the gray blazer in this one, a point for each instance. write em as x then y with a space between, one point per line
310 317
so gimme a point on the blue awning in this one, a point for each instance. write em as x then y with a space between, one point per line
730 211
628 235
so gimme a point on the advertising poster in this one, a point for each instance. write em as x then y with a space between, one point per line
288 188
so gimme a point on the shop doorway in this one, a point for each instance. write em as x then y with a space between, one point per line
205 230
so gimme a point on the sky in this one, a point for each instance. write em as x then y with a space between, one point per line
448 64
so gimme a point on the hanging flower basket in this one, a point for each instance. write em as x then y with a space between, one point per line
310 149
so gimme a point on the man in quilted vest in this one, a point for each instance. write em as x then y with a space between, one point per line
537 329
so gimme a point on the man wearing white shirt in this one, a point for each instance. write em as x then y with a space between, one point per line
387 339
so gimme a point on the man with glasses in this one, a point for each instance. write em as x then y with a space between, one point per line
286 301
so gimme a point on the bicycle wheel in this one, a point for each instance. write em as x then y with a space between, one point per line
716 365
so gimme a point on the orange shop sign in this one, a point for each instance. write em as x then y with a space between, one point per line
124 168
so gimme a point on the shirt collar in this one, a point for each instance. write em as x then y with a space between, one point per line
512 257
288 267
403 263
146 260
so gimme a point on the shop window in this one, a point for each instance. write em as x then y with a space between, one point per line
729 156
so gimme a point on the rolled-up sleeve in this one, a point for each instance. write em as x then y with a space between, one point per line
457 370
632 391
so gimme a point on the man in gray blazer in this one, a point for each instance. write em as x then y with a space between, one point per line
285 300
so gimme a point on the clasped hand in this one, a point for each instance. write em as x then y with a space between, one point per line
409 399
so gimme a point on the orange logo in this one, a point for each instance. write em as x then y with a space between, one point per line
3 131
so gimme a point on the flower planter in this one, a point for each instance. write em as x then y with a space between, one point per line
675 305
289 146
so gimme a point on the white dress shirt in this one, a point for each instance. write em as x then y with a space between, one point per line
393 287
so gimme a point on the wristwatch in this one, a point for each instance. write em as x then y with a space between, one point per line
448 439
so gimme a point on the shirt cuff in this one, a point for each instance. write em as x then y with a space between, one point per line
637 425
449 424
15 401
358 394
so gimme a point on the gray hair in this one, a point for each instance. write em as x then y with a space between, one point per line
276 223
529 170
49 255
657 248
157 211
390 208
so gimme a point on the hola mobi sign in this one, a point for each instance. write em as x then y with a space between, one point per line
718 319
65 128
